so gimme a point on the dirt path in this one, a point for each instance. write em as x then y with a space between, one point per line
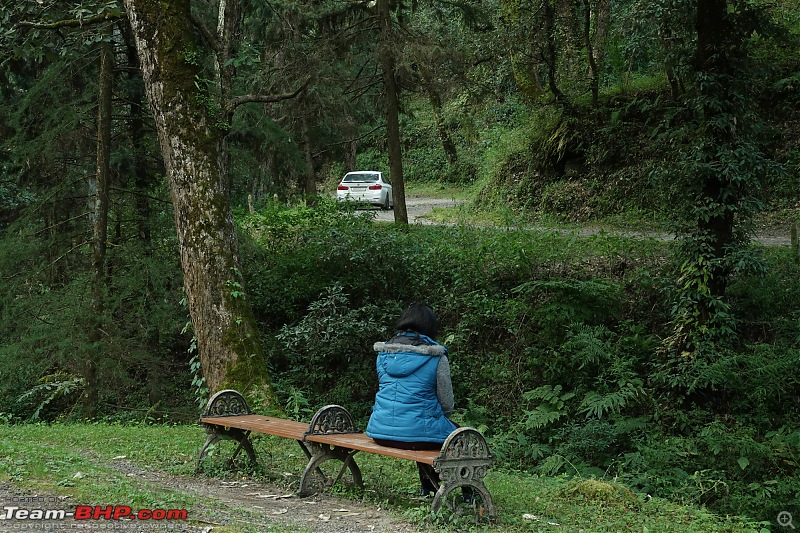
222 506
419 207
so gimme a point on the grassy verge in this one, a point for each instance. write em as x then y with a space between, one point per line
78 461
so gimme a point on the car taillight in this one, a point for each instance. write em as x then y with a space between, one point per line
342 188
375 187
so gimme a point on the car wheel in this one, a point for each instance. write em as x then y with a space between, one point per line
385 205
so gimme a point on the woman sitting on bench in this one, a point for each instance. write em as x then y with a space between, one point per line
415 394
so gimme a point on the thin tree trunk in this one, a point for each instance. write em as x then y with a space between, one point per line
435 99
137 136
710 57
99 225
310 183
392 108
551 51
227 339
594 74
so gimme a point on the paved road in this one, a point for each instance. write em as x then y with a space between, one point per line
417 208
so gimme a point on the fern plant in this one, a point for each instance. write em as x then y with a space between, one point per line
553 406
54 387
597 405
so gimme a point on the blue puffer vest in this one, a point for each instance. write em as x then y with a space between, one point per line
406 407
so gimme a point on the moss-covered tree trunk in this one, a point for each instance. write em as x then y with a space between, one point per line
192 148
720 190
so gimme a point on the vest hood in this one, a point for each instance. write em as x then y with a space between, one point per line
402 360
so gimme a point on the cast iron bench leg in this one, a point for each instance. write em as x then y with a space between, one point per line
462 464
218 434
227 403
319 476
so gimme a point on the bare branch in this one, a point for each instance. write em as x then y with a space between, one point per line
356 139
267 98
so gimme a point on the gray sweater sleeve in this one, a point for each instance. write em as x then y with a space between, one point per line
444 386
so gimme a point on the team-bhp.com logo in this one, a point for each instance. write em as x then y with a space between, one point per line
93 512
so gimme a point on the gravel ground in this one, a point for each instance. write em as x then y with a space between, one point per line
258 506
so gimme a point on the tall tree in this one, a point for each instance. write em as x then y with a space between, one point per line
392 110
723 167
99 217
191 137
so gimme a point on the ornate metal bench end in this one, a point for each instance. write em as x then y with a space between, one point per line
226 403
463 463
331 420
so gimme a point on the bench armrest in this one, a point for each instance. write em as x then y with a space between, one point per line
226 403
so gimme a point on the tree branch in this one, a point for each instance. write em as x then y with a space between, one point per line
356 139
267 98
70 23
209 37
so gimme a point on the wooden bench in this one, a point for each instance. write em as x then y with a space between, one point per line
331 440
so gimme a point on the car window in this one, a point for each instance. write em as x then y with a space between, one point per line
350 178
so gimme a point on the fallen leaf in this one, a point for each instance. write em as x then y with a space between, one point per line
324 517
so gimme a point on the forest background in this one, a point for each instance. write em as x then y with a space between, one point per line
668 365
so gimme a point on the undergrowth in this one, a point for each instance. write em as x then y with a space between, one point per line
556 348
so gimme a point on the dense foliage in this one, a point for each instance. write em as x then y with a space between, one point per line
556 349
672 368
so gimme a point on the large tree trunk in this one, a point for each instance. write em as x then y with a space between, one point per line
392 107
192 148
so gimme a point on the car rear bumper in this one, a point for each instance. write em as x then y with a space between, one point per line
367 197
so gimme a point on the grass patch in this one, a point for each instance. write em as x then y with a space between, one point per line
77 460
438 189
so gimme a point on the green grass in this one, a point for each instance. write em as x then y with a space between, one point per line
437 189
78 460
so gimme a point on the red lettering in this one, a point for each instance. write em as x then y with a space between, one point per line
122 511
83 512
177 514
159 514
103 512
144 514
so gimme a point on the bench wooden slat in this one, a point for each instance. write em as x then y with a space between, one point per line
361 442
296 430
261 424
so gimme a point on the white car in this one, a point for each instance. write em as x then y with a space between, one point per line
367 186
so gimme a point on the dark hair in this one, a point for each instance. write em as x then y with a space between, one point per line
419 318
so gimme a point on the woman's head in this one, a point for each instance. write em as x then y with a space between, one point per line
419 318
